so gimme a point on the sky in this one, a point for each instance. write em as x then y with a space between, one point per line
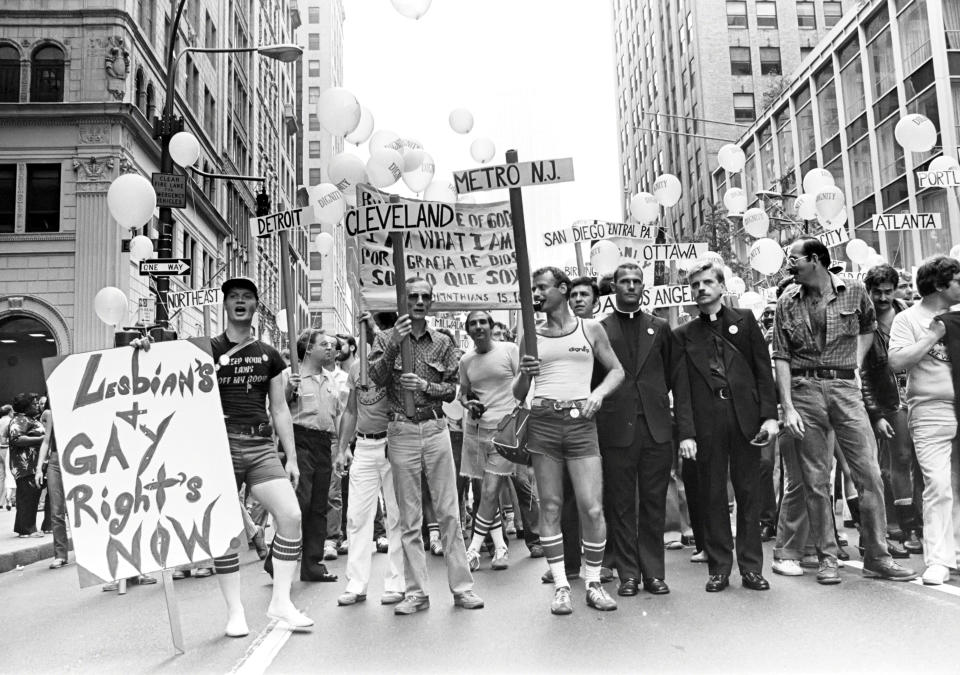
538 76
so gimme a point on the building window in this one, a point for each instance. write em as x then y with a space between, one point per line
314 95
151 102
316 287
9 74
313 14
313 41
805 52
766 14
145 12
313 68
806 17
316 261
743 108
46 76
737 13
43 198
740 61
314 123
316 176
770 61
832 11
8 200
314 149
139 94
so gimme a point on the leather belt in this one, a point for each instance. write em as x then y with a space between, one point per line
723 393
824 373
540 402
372 437
263 430
422 415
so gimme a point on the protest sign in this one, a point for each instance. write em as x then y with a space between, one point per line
946 178
589 230
144 455
513 175
653 297
906 221
466 252
198 298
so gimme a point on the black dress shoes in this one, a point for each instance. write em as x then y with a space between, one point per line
629 587
656 586
767 533
754 581
315 572
717 582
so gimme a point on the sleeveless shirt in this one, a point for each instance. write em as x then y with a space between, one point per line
566 365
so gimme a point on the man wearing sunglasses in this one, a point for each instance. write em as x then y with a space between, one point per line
421 443
823 328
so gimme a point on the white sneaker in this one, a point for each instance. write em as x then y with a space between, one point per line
510 526
500 559
473 560
936 575
787 568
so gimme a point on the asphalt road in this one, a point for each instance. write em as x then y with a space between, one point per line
48 624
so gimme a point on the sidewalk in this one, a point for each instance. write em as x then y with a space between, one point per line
15 551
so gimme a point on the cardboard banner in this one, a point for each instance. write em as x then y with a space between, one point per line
513 175
466 252
654 297
895 222
198 298
145 460
588 230
944 179
274 223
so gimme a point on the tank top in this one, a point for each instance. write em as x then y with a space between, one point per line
566 365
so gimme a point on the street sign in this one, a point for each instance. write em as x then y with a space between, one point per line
267 226
946 178
125 245
146 311
198 298
166 267
171 189
513 175
886 222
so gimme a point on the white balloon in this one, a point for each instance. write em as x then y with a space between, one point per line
346 171
482 150
667 189
184 149
756 222
282 320
324 243
873 260
141 248
916 133
420 176
735 199
440 191
131 200
805 206
816 180
731 158
364 127
736 285
384 167
110 304
644 208
338 111
604 257
727 271
834 223
384 139
955 252
830 201
753 301
944 163
329 206
412 9
766 256
461 120
857 250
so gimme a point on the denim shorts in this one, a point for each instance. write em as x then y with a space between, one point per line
557 435
479 455
255 460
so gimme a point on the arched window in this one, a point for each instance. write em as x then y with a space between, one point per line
139 96
46 75
151 105
9 74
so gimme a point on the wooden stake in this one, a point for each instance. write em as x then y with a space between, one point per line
523 265
289 300
362 355
578 247
400 281
173 611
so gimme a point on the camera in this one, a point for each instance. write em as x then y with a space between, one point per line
476 411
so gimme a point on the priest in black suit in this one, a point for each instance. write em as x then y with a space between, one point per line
635 429
735 414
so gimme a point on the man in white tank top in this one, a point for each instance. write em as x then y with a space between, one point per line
562 430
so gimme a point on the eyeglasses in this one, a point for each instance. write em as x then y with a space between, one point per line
793 259
414 297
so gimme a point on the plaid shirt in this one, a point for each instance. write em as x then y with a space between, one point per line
849 314
434 359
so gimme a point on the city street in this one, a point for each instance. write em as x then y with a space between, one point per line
859 626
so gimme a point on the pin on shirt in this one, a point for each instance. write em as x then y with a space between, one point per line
733 330
649 331
574 413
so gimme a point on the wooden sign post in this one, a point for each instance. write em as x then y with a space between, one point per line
523 265
400 285
362 355
289 301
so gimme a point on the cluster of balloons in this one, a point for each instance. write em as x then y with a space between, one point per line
111 305
645 206
482 149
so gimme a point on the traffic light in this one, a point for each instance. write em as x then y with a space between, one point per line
263 204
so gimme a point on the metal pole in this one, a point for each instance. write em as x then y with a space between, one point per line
523 265
400 284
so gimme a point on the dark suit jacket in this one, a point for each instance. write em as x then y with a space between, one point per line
748 370
659 371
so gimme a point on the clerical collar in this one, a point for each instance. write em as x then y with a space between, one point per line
624 312
710 318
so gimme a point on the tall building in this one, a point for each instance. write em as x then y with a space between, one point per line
80 84
886 59
331 302
692 75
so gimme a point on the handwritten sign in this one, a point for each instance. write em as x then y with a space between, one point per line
886 222
833 237
946 178
198 298
513 175
588 230
146 463
267 226
649 253
467 253
653 297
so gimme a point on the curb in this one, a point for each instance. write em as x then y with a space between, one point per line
28 556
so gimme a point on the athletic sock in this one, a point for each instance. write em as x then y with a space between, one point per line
480 529
593 559
553 552
287 549
227 564
434 530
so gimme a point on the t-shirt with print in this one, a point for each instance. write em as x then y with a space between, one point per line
244 381
373 407
930 379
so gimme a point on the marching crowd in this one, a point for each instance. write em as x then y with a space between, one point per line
847 386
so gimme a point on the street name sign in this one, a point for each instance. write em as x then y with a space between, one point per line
165 267
516 175
171 189
885 222
945 178
283 221
198 298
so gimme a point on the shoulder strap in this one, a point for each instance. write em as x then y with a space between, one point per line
237 347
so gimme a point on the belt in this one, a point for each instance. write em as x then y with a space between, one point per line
901 380
723 393
263 430
539 402
824 373
422 415
372 437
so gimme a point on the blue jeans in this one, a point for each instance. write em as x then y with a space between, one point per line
838 405
58 508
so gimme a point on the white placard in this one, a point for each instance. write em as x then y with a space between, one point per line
587 230
893 222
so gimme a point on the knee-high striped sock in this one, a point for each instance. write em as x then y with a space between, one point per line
287 549
592 559
496 531
480 529
553 551
227 564
434 530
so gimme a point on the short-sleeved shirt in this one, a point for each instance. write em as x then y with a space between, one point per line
244 382
847 313
930 379
317 406
491 378
373 407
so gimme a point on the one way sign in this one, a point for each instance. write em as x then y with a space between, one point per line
169 267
